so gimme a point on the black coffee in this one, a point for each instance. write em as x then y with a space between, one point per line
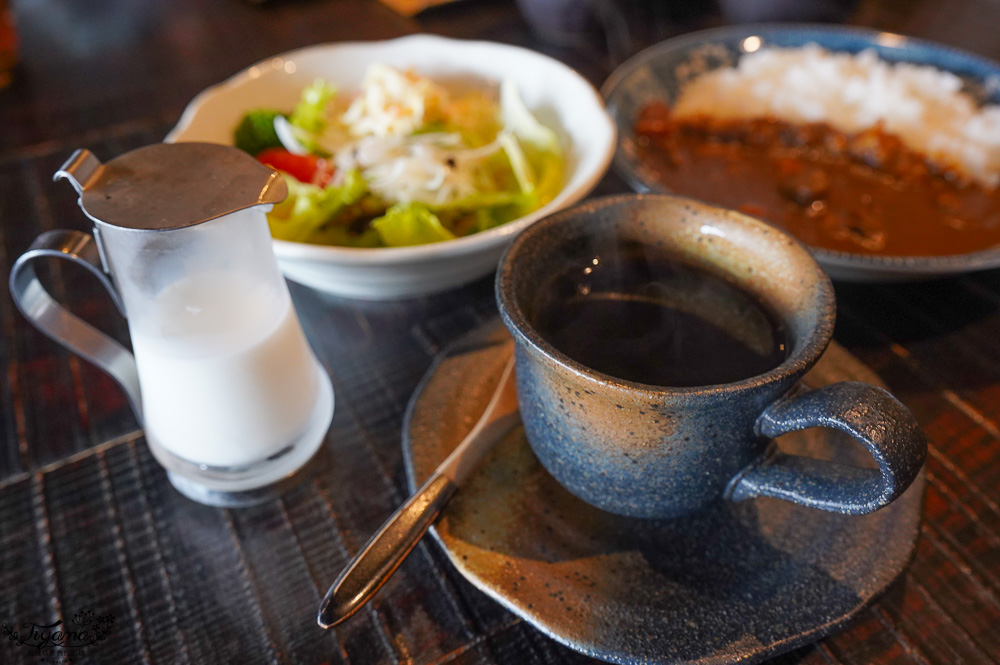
648 318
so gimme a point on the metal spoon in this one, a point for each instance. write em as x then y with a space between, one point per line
383 553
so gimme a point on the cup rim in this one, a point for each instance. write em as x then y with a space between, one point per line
805 352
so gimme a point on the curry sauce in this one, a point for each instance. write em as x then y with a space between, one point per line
864 193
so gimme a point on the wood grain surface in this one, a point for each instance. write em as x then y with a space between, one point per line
89 523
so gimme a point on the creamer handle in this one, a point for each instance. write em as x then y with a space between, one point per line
58 323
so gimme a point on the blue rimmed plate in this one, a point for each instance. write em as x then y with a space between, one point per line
658 73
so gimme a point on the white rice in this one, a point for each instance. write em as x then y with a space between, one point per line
922 105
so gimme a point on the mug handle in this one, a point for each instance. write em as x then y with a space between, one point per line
869 414
58 323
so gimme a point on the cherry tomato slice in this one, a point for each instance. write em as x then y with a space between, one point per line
304 168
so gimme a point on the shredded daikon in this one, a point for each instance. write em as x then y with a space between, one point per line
393 103
428 168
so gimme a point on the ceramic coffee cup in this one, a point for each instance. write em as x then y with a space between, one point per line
657 451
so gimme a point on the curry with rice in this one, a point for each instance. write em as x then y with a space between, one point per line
846 152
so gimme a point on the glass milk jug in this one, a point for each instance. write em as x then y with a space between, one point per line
230 396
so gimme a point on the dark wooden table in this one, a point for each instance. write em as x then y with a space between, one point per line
89 524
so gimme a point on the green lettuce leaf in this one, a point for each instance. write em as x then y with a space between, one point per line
310 114
308 207
490 209
340 236
310 117
406 224
481 200
491 217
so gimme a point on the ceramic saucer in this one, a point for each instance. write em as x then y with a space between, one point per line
737 583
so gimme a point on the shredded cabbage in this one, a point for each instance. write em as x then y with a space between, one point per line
533 148
525 126
287 136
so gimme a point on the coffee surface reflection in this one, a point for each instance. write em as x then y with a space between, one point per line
635 313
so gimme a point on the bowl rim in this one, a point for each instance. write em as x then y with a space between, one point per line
867 266
488 239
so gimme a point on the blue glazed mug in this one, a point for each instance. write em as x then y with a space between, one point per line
658 452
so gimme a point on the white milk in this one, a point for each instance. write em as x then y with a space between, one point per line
227 377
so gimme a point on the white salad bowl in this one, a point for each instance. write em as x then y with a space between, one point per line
555 93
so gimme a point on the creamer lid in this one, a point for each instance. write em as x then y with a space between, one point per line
170 185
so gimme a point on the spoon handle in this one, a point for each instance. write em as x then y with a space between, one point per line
385 550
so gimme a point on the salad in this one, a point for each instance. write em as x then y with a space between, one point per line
405 162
